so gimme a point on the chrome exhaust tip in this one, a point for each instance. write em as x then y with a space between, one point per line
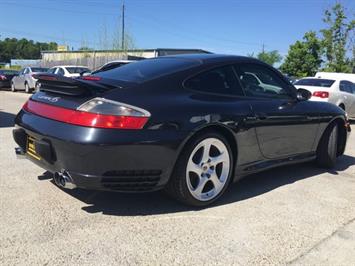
20 153
64 180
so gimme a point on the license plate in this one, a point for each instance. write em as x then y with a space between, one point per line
31 148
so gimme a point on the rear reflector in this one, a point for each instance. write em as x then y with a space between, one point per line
321 94
82 118
91 78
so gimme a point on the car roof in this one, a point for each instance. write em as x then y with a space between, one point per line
212 58
69 66
120 61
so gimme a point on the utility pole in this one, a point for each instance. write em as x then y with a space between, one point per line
263 50
122 46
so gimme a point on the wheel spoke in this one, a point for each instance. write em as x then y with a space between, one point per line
195 168
219 159
215 180
201 184
206 152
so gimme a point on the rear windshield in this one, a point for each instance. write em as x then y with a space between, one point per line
77 70
39 69
315 82
8 72
148 69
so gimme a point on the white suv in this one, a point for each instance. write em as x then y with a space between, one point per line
337 90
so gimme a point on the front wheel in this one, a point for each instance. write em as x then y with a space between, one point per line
327 151
27 88
13 89
203 171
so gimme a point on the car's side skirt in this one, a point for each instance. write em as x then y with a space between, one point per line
259 166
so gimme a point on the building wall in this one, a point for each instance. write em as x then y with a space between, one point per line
92 59
95 59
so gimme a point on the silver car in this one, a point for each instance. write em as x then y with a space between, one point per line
337 91
25 80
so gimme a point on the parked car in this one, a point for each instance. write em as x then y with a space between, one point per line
189 124
340 92
112 65
25 80
69 71
260 81
6 77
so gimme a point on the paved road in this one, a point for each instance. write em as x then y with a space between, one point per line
291 215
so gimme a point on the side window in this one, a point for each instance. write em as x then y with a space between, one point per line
345 86
52 70
60 72
260 81
220 80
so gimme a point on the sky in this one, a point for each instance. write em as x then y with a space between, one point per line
220 26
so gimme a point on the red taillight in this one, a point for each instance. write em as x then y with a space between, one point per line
91 78
321 94
83 118
2 77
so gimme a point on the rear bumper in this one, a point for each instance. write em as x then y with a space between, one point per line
5 84
121 160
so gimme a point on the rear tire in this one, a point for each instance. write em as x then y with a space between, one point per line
328 147
203 171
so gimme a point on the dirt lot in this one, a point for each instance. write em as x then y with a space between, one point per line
292 215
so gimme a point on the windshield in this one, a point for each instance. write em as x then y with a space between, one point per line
148 69
77 70
39 69
316 82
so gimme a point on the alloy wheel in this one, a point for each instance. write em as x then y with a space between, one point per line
208 168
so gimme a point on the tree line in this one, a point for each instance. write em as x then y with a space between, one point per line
332 49
12 48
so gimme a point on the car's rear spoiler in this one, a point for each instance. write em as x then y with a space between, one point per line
67 86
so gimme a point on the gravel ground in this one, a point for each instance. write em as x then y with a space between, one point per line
292 215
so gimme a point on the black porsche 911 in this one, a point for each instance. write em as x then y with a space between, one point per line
189 124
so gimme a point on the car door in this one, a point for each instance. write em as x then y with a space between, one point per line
26 73
284 126
346 90
20 81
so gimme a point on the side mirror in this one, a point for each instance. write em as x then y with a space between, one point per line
303 94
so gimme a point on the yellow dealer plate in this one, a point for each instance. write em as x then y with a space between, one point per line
31 148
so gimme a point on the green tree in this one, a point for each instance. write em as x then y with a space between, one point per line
304 58
12 48
270 58
336 37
